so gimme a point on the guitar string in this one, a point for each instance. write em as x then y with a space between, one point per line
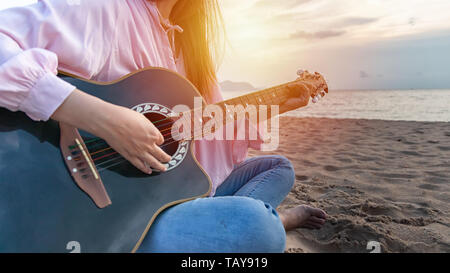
154 122
102 141
113 153
164 145
119 162
108 148
93 140
253 96
119 156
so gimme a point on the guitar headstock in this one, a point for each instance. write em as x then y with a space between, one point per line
316 81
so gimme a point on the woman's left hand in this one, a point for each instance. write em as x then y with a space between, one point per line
307 86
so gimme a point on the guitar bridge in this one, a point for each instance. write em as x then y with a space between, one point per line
81 166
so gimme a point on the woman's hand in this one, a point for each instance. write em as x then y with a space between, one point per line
307 86
134 137
129 133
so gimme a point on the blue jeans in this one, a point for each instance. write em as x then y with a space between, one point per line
241 217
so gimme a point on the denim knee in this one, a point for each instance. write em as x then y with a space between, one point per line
230 224
289 173
262 230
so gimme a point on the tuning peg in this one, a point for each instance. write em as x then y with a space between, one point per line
315 99
300 72
323 93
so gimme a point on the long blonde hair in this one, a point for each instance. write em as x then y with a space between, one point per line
202 41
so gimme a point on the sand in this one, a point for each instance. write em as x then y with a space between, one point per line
383 181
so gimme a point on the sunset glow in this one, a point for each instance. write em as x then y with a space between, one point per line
357 44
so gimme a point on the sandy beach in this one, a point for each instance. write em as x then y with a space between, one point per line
384 181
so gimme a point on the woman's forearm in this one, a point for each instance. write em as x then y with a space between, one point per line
129 133
85 112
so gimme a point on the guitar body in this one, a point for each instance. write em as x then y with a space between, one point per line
43 210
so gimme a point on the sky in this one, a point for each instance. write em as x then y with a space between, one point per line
356 44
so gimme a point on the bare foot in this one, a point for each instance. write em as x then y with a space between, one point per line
303 217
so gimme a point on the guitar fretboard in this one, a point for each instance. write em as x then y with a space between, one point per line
239 107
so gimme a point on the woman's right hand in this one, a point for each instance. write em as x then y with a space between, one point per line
129 133
134 137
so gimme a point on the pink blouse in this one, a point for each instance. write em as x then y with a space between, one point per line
100 40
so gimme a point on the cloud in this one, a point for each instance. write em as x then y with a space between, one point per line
316 35
389 42
284 3
412 21
363 74
352 21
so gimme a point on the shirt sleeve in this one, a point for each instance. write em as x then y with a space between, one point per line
28 80
37 39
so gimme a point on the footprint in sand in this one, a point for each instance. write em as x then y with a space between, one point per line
396 175
309 163
430 187
301 177
330 168
438 174
365 158
438 180
444 148
344 160
411 153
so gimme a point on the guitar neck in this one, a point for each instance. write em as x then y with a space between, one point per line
271 96
242 105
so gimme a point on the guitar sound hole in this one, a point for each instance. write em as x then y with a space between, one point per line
164 125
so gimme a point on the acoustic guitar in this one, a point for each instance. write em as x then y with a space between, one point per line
65 190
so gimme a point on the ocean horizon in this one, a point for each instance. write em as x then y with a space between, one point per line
408 105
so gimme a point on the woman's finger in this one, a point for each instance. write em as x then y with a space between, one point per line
158 137
141 165
159 154
153 162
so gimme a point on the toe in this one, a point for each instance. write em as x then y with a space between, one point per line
317 220
318 213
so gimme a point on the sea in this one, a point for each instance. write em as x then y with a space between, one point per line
408 105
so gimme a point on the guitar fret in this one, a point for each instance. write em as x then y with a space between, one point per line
268 99
241 101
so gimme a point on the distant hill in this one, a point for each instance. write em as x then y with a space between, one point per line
229 86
